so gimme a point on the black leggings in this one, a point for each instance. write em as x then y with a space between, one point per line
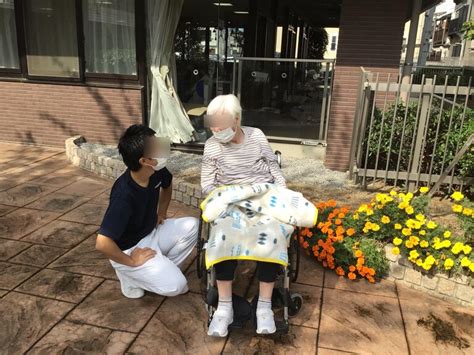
266 272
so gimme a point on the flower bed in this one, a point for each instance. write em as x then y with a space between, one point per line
354 243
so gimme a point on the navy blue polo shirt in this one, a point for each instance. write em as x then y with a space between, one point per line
132 211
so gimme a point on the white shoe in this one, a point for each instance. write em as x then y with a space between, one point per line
220 324
265 321
130 291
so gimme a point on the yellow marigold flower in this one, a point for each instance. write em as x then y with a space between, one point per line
397 241
467 249
406 232
414 240
396 251
457 208
393 193
397 226
424 189
457 196
419 262
408 196
362 208
431 225
430 260
447 234
375 227
471 267
426 266
467 212
403 205
422 232
465 262
409 244
414 254
409 210
436 240
424 244
420 218
446 243
385 219
401 195
370 212
457 248
448 263
355 216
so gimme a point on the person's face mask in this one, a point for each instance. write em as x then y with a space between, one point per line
160 163
225 136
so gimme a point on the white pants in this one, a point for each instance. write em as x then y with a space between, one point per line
173 241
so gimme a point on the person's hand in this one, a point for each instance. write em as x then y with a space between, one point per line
141 255
161 219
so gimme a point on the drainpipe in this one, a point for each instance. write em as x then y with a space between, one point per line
411 42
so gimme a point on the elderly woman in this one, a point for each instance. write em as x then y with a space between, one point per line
238 155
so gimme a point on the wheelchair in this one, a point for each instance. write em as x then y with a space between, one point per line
244 311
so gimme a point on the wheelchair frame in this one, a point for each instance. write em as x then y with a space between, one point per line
291 302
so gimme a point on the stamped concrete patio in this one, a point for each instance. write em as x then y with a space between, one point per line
59 295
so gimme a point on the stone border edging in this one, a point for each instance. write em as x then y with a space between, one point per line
456 289
189 194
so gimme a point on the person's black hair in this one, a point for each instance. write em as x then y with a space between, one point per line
133 144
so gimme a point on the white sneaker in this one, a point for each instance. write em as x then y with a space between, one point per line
220 323
130 291
265 321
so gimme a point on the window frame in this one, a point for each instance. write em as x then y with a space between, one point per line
15 72
118 80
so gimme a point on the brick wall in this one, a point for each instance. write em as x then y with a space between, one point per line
48 114
370 35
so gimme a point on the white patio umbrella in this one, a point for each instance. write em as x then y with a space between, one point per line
167 115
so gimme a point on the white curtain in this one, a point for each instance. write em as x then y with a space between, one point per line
8 45
167 115
109 31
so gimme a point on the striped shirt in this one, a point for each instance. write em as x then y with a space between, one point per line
250 162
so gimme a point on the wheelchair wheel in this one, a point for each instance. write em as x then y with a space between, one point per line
200 259
294 257
296 302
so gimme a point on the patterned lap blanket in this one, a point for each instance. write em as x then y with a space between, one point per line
254 222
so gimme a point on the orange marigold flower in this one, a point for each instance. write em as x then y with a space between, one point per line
331 250
340 230
321 206
331 266
331 203
344 210
351 275
352 268
341 215
340 271
371 279
340 238
305 244
330 231
371 271
350 232
316 253
338 222
358 254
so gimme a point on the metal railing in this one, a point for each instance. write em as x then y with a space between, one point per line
292 96
407 134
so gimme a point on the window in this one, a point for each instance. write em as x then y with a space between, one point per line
333 43
456 52
8 41
109 34
51 38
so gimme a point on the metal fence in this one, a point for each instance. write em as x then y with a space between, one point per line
407 134
287 98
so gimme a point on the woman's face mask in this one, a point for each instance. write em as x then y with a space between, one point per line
225 136
223 126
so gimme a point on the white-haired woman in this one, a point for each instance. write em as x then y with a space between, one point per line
237 154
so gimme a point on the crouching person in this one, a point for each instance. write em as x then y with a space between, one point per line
144 247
